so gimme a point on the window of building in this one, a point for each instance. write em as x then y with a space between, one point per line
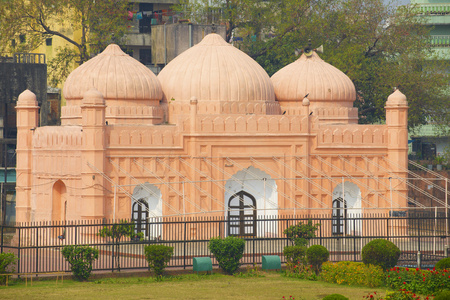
145 56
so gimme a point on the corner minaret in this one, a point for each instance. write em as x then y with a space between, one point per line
93 154
27 120
397 123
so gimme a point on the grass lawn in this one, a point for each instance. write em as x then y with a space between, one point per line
192 286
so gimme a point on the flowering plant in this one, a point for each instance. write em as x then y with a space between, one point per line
417 280
302 271
352 273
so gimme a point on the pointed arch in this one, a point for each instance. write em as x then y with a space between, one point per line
346 209
253 182
59 202
146 210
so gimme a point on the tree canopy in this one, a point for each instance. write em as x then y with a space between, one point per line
378 45
86 25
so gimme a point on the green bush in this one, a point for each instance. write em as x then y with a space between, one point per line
80 259
301 234
316 255
445 295
416 280
228 252
335 297
443 264
381 253
295 255
352 273
7 261
158 256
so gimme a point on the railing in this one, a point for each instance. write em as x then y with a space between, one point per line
440 40
38 246
434 9
29 58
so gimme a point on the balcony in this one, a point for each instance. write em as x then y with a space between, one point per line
435 14
440 40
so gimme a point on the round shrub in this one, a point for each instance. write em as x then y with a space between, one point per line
316 255
228 252
443 264
158 256
381 253
295 254
80 258
335 297
444 295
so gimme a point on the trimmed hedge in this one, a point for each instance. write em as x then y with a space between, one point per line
295 255
228 252
443 264
445 295
158 256
7 261
80 258
316 255
381 253
352 273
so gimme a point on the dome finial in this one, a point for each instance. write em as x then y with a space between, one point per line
213 28
308 49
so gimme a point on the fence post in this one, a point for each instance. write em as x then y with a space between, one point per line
2 239
18 252
387 228
446 250
184 246
320 232
37 249
354 239
418 233
419 260
254 253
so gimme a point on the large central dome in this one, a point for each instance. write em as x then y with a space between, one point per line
216 71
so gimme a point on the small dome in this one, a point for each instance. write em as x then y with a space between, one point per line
93 97
396 98
27 98
115 75
215 70
311 75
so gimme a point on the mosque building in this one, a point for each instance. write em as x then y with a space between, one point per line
212 135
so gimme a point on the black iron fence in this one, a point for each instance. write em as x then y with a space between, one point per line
38 245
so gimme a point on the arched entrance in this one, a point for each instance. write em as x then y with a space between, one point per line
59 209
59 202
146 210
242 214
253 183
339 216
346 209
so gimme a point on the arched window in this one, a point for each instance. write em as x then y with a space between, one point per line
242 214
140 216
339 216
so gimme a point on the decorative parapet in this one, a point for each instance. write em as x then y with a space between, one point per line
71 115
134 114
251 124
57 138
336 114
147 136
351 135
